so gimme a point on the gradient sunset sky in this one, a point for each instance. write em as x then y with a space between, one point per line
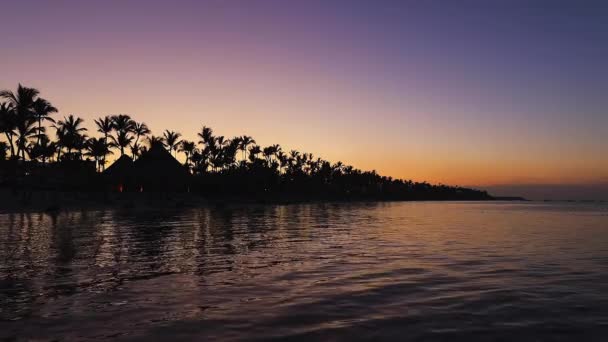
474 93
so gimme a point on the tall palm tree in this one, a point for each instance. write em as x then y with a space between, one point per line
7 125
60 136
171 140
26 129
105 126
123 125
22 103
245 142
141 130
42 112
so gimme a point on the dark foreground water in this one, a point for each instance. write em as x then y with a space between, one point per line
373 271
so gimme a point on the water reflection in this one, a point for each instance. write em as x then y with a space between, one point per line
343 270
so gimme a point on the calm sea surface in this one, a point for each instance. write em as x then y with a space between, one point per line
365 271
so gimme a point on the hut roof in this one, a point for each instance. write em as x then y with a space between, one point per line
157 161
121 167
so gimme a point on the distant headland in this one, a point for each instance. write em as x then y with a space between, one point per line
42 155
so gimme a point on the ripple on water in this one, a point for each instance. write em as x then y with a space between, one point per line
362 271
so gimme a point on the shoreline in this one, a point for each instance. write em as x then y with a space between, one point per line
19 201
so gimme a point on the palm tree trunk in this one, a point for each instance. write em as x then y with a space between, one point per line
9 137
39 130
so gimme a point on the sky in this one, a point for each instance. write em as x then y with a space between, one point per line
503 95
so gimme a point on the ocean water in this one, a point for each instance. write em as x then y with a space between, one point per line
419 271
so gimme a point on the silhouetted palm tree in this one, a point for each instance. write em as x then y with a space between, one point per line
42 111
26 129
43 150
206 135
245 142
136 150
22 104
105 126
171 140
154 140
70 134
282 158
123 140
188 147
123 125
141 130
98 149
253 153
21 101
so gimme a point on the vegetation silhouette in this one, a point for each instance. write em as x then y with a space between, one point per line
214 166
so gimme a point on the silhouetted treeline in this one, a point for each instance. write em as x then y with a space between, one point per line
41 150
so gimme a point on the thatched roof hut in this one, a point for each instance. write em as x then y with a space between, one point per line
154 170
157 170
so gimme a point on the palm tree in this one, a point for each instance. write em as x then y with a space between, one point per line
154 140
267 153
171 140
98 149
136 150
44 149
60 135
206 135
123 140
105 126
141 130
282 158
42 112
7 125
253 153
22 104
70 133
122 122
123 125
21 101
229 151
26 129
188 147
245 142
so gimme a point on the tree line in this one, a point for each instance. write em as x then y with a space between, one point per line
226 164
